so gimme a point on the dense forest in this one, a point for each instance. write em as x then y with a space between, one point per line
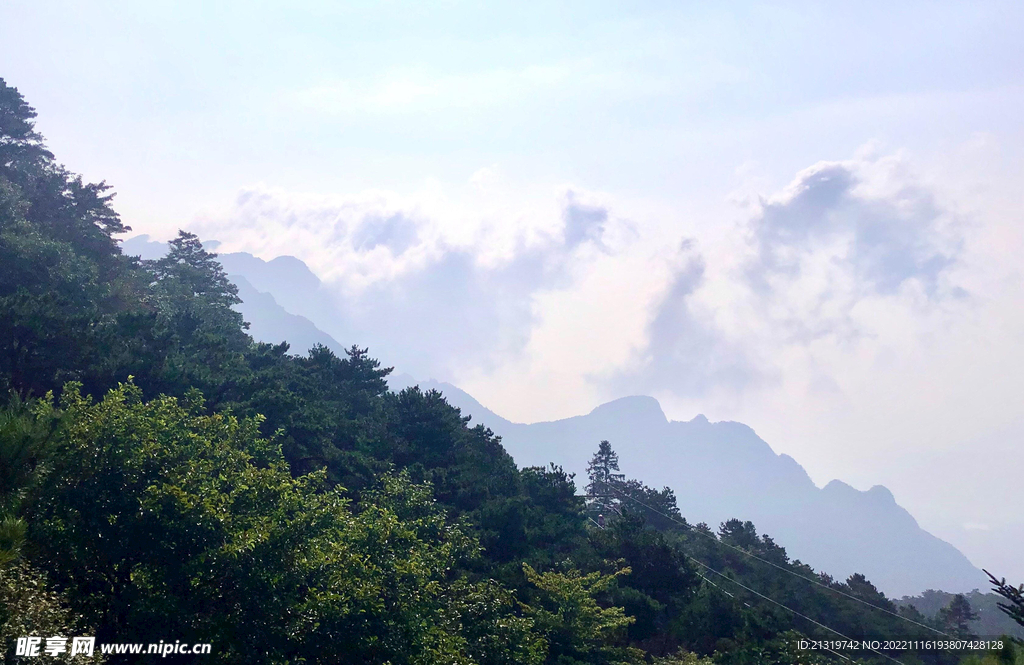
165 477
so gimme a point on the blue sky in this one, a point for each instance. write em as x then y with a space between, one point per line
803 216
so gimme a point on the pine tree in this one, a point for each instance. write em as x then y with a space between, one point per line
958 615
1015 608
658 507
21 142
604 480
193 273
194 295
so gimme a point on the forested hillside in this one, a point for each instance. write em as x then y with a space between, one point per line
989 619
720 470
164 477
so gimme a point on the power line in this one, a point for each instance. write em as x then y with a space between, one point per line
782 568
787 608
731 595
760 595
757 593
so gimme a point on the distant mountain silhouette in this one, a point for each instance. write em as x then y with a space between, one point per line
268 320
148 249
723 470
718 470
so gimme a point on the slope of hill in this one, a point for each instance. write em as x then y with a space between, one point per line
723 470
718 470
991 620
268 320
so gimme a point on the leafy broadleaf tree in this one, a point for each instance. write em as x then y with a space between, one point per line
578 630
30 606
161 520
683 657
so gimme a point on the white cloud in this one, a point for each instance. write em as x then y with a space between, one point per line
456 289
866 319
852 260
883 318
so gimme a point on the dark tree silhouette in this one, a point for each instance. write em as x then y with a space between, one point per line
958 615
604 480
1015 607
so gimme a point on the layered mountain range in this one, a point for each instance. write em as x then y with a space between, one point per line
721 470
718 470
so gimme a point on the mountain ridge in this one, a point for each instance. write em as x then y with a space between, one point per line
831 528
718 470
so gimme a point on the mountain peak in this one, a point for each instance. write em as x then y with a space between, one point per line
883 493
634 408
877 492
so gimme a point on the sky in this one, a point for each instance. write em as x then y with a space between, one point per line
801 216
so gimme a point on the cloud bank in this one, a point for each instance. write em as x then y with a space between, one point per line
435 288
568 290
866 318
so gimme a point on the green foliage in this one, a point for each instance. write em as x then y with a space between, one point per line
1012 653
62 276
577 628
49 295
59 202
494 632
29 606
542 523
12 538
602 472
992 620
22 143
683 657
160 520
23 437
657 507
661 584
